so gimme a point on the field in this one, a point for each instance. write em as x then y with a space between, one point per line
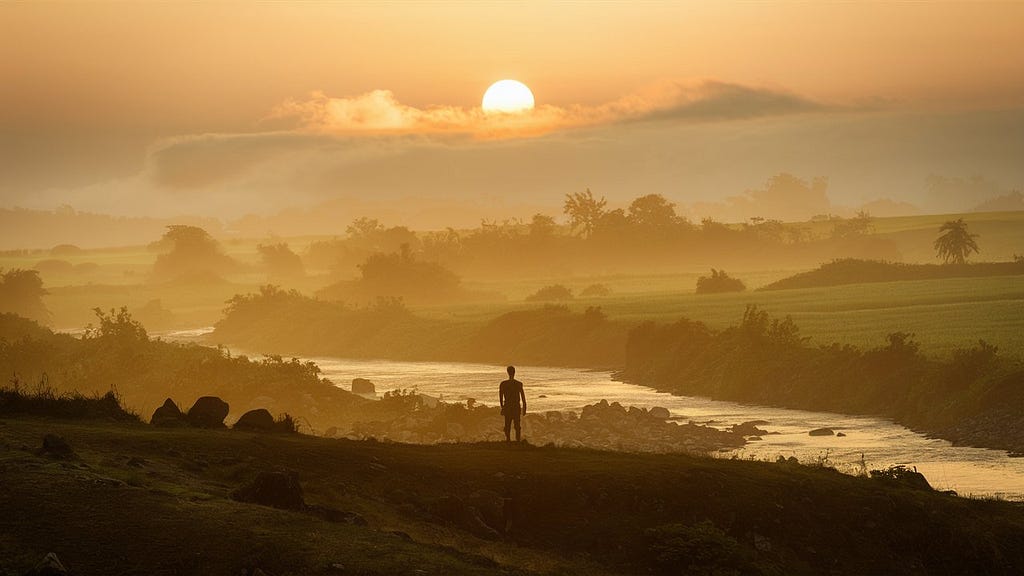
943 314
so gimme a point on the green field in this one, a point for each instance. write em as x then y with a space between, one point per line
943 314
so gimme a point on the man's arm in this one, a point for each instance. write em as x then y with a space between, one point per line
522 394
501 396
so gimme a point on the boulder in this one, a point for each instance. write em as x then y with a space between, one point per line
258 420
821 432
659 413
208 412
362 386
168 415
279 489
840 435
56 446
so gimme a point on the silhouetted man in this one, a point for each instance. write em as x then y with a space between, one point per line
509 393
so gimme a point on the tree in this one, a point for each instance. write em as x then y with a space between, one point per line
652 211
364 228
280 261
955 243
191 250
21 293
719 282
584 210
859 225
542 225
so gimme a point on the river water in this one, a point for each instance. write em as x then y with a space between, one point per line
870 443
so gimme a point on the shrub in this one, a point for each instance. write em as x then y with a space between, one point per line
45 401
700 548
718 283
553 293
596 291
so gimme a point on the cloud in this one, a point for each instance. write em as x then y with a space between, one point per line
379 112
695 143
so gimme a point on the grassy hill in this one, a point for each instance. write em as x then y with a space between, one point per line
853 271
139 500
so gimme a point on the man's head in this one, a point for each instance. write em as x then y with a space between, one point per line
511 371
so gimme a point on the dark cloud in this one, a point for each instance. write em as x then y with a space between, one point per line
723 101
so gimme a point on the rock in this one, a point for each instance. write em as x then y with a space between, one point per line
840 435
276 489
208 412
258 420
362 386
659 413
821 432
331 432
49 566
168 415
57 447
748 429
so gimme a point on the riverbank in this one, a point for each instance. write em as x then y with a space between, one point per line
135 499
966 398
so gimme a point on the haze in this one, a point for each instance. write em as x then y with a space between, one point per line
232 109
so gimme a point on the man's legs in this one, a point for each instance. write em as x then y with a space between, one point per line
508 426
518 420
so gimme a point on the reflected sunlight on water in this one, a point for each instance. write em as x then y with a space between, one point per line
969 471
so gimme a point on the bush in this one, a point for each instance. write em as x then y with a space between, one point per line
45 401
596 291
718 283
553 293
699 549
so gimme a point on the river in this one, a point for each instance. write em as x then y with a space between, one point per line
870 443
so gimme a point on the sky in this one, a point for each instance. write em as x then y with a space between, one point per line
225 109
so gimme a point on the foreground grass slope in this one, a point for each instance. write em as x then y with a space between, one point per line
139 500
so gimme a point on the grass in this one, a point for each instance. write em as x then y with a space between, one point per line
141 500
44 401
944 314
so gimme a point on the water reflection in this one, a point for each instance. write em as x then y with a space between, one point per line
871 442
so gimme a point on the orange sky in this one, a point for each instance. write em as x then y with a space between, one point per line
97 86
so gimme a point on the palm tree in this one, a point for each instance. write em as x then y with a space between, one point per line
955 243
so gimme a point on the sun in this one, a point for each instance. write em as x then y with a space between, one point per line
507 96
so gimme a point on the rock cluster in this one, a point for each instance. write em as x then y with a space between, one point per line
602 425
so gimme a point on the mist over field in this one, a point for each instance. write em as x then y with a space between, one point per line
511 289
